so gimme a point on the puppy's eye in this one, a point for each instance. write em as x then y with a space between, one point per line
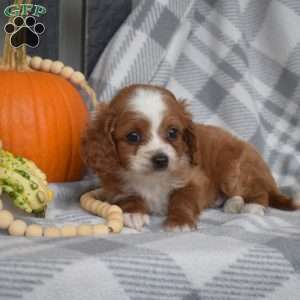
172 134
133 137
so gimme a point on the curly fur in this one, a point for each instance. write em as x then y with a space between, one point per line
98 148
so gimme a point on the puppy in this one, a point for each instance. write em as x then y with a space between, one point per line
152 158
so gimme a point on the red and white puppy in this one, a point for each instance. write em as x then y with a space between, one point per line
152 158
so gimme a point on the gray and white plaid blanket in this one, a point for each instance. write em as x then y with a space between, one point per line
237 62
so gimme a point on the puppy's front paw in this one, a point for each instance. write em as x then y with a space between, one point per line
254 209
136 220
234 205
175 225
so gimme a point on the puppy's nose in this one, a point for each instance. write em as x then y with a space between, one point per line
160 161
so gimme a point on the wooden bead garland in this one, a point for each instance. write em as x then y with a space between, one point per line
112 213
58 68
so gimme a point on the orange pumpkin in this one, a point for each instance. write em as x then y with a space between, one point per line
41 114
41 118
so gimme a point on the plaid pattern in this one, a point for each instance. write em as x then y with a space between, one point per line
237 62
230 257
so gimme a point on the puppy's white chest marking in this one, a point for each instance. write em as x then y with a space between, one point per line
155 195
154 189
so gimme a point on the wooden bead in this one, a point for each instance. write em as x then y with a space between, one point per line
105 210
1 203
68 230
84 230
67 72
34 230
102 209
82 200
6 218
77 77
56 67
35 62
85 203
115 216
52 232
99 208
17 228
93 207
100 229
82 84
115 208
115 225
90 204
46 65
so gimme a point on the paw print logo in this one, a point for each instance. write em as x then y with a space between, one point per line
24 31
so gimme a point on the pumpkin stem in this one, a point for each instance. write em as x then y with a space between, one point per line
14 58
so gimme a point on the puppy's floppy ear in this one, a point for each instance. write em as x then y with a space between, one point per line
98 147
190 139
189 134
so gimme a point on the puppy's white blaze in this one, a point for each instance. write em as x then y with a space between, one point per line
150 105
